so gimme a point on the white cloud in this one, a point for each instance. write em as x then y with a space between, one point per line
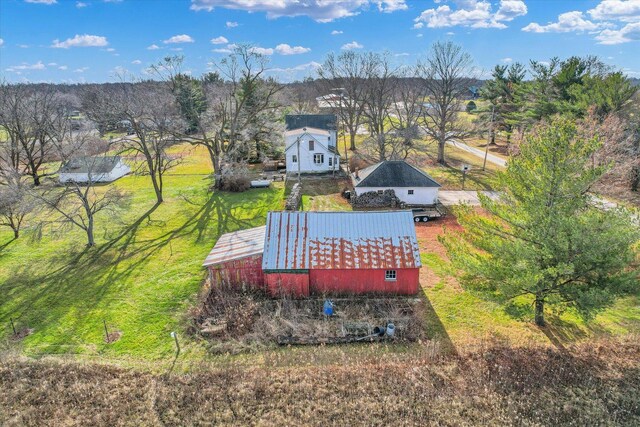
262 50
352 45
336 32
219 40
1 42
507 60
389 6
180 38
24 66
628 33
177 49
84 40
136 62
622 10
41 1
52 64
297 72
80 70
23 46
62 67
471 13
567 22
450 33
401 54
222 50
110 49
231 24
153 47
319 10
80 4
285 49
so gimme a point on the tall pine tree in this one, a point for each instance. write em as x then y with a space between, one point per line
544 238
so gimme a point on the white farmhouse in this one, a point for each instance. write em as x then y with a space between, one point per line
93 169
310 143
411 185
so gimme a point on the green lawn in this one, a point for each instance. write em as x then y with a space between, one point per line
146 271
141 276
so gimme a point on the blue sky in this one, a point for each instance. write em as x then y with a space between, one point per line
93 40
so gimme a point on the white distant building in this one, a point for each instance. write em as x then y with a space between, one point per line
93 169
310 143
411 185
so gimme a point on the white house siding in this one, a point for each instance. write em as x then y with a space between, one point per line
120 170
306 156
420 196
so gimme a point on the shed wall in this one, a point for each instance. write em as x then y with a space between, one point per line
364 281
239 272
420 196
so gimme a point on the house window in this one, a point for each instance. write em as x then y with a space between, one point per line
311 145
409 191
318 159
380 191
330 161
390 275
294 159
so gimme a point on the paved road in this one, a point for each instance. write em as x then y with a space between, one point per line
469 197
478 153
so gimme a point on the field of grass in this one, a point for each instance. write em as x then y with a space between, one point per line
139 279
146 270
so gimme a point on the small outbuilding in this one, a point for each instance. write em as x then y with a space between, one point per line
304 253
93 169
341 253
236 259
410 184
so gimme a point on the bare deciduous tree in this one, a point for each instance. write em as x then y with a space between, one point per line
445 74
78 203
28 115
15 202
343 80
151 114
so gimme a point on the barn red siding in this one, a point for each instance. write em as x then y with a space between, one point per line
293 284
239 272
364 281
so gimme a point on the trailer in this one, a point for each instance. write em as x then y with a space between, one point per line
426 213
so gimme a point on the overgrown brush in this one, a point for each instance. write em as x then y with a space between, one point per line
592 384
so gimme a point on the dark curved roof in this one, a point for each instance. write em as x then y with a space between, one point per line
318 121
393 173
94 165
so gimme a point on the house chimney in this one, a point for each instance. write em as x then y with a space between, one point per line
356 172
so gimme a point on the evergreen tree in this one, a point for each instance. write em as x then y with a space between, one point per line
544 238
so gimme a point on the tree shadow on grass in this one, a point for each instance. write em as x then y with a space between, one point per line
470 177
80 279
435 329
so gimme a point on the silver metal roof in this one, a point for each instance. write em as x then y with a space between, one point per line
236 245
340 240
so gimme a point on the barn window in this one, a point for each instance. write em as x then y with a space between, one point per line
409 191
390 275
318 159
294 159
311 145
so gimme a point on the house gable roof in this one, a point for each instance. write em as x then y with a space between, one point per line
93 165
318 121
328 149
392 173
340 240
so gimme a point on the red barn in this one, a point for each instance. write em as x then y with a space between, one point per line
341 252
236 259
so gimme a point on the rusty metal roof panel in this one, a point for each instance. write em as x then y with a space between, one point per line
237 245
340 240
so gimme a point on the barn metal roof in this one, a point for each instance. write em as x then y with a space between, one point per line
340 240
236 245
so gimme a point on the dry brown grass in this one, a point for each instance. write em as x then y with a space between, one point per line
595 384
